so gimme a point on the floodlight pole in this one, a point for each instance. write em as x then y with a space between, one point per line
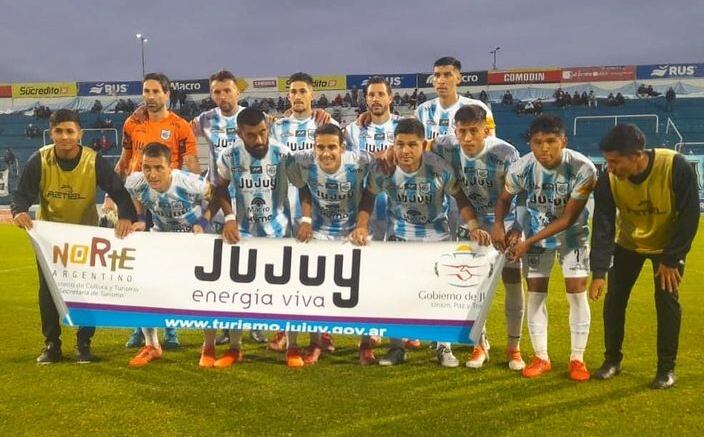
493 52
142 40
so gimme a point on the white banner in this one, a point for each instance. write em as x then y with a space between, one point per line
5 182
429 291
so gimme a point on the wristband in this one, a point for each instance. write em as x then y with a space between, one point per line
472 225
230 218
306 220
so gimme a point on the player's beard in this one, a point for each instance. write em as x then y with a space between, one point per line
155 107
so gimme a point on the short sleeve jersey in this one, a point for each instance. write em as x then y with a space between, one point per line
441 121
220 131
548 191
296 134
371 138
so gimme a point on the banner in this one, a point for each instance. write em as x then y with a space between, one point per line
43 90
429 291
359 81
5 182
127 88
670 71
513 77
5 91
320 83
196 86
599 74
469 78
263 83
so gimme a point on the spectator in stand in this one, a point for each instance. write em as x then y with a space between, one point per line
483 97
610 100
397 99
337 101
173 99
97 107
131 106
280 104
584 99
182 97
469 95
507 99
347 100
406 99
576 99
591 99
323 101
652 92
413 100
669 99
31 131
421 97
355 96
11 160
566 99
538 107
620 100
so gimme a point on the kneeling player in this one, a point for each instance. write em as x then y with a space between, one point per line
174 199
415 190
557 183
330 182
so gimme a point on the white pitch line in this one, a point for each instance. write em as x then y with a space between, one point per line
14 269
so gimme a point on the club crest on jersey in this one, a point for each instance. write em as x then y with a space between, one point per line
255 169
482 173
165 134
424 187
562 188
311 134
345 186
271 170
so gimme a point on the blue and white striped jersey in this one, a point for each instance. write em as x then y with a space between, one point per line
547 192
416 199
296 134
482 177
179 207
335 196
371 138
258 188
441 121
220 131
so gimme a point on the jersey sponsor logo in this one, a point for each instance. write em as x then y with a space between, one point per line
445 122
379 136
258 211
333 212
414 217
414 198
231 131
165 134
256 169
65 192
645 208
258 183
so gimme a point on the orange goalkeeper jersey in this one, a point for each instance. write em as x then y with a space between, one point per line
173 131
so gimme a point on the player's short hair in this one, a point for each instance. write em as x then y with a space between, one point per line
301 77
448 60
157 150
62 116
470 114
626 139
377 79
330 129
547 124
410 125
250 117
222 76
161 78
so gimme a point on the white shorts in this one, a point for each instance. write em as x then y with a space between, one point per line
575 262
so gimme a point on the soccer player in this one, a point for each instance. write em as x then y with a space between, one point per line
437 115
480 163
297 132
253 178
656 197
66 167
155 123
174 198
330 181
218 126
415 190
557 183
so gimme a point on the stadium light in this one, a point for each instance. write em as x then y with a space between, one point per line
142 39
493 52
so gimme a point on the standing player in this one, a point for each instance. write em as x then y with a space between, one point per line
219 128
50 175
416 190
253 178
480 163
655 194
156 124
557 183
330 181
174 198
437 115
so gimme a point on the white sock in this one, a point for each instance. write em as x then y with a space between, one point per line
151 337
580 319
538 323
514 307
447 346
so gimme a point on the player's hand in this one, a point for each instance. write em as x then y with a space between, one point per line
498 236
123 228
364 119
139 226
197 229
670 278
513 236
517 251
596 289
359 236
321 117
270 119
231 232
23 220
140 115
305 233
481 236
108 205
